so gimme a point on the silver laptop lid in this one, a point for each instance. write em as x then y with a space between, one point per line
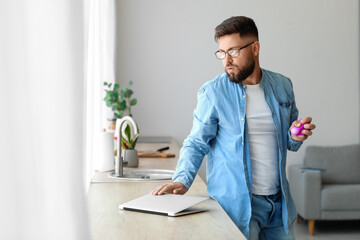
167 204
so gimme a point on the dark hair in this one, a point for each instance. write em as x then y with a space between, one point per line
243 25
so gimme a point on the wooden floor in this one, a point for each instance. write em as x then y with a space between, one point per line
329 230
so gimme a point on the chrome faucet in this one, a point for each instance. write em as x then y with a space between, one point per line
119 160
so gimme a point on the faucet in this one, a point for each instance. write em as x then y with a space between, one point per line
119 160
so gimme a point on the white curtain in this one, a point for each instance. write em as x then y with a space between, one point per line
100 54
42 120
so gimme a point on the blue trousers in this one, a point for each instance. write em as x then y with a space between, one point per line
266 222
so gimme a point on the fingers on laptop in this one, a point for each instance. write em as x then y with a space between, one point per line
175 187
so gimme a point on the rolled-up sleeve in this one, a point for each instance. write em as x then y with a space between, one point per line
291 144
197 144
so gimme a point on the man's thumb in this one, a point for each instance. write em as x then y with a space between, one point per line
178 191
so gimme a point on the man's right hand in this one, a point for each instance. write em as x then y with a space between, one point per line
174 187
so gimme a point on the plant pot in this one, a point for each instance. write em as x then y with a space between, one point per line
131 157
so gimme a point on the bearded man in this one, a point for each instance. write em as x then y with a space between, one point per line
242 123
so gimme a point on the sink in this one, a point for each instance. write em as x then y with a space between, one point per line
144 175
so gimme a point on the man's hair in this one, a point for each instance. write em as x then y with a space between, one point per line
243 25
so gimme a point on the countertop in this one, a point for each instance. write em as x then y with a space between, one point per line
108 222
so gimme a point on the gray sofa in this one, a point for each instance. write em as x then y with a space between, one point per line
327 186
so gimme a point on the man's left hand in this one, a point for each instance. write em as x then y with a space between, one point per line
307 131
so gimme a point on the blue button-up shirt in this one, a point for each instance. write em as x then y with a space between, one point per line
220 132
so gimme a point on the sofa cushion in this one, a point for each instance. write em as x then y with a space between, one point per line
340 197
341 164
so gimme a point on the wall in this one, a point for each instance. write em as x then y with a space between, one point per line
167 47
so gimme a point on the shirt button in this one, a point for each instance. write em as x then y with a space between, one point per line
242 119
242 143
244 96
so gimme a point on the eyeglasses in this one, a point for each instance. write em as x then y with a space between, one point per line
220 54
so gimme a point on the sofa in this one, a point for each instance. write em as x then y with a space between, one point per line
327 185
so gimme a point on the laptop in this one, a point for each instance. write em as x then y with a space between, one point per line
171 205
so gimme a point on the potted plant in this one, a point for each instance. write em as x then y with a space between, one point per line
128 144
120 102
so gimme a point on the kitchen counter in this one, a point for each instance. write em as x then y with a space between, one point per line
108 222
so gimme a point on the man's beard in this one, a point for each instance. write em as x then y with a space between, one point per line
243 73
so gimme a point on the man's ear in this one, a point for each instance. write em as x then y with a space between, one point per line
256 48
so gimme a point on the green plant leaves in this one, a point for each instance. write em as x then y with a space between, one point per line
119 99
118 113
125 144
122 93
114 96
122 105
107 99
114 106
133 102
128 132
127 92
133 142
128 142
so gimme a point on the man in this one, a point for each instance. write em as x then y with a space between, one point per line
242 123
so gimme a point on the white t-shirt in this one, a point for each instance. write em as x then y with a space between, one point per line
264 149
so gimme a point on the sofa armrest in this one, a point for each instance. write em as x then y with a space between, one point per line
305 186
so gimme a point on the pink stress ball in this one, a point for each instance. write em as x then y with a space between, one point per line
297 130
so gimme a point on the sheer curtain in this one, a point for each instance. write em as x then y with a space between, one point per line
100 55
42 120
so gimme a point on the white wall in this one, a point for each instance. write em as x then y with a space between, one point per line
166 48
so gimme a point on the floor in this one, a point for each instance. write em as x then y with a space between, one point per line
329 230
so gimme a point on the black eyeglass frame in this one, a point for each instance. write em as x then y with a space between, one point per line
235 54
